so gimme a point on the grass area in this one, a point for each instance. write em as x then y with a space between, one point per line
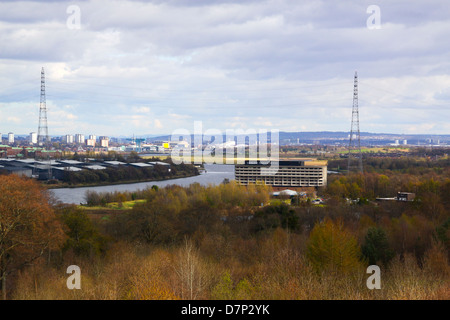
161 158
126 205
379 149
277 202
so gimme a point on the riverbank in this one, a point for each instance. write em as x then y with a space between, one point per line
214 174
63 185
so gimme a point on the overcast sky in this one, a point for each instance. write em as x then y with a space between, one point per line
151 67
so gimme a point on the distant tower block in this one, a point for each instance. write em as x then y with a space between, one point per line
10 138
43 138
33 137
354 146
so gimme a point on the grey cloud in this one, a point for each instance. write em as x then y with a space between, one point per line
218 60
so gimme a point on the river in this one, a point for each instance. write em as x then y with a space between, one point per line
215 174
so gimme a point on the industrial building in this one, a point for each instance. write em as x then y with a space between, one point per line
41 169
290 173
401 196
405 196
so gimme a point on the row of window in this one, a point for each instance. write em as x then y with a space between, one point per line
283 181
280 168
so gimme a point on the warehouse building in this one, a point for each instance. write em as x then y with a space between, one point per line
41 169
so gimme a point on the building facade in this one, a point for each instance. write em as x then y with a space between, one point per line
33 137
10 138
290 173
90 142
79 138
104 141
68 139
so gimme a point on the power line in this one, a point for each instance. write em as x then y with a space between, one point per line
227 106
246 87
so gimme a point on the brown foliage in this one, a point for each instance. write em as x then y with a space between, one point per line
28 225
196 243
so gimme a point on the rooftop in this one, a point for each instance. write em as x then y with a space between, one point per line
141 164
95 167
67 168
160 163
115 163
71 162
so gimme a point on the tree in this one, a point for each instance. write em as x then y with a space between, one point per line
190 271
225 290
376 247
149 224
383 183
332 248
83 236
271 217
134 157
442 234
28 225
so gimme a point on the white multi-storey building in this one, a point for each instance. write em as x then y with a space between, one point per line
90 142
10 138
289 173
68 139
33 137
104 142
79 138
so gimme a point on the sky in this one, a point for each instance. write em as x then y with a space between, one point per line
152 67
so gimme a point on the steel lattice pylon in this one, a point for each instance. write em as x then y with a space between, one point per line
354 146
43 139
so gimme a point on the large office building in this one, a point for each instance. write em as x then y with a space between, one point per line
288 173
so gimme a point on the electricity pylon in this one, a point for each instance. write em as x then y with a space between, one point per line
354 146
43 139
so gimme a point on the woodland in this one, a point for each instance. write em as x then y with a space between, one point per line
229 242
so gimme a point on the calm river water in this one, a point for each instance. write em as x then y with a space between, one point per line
215 174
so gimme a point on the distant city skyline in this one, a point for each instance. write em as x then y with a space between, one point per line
124 68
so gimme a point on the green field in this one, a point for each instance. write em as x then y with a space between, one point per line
126 205
378 150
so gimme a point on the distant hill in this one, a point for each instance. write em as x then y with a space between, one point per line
333 137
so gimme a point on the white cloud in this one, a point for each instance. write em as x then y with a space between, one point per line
158 124
145 67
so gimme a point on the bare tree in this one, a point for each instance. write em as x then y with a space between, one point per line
190 272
